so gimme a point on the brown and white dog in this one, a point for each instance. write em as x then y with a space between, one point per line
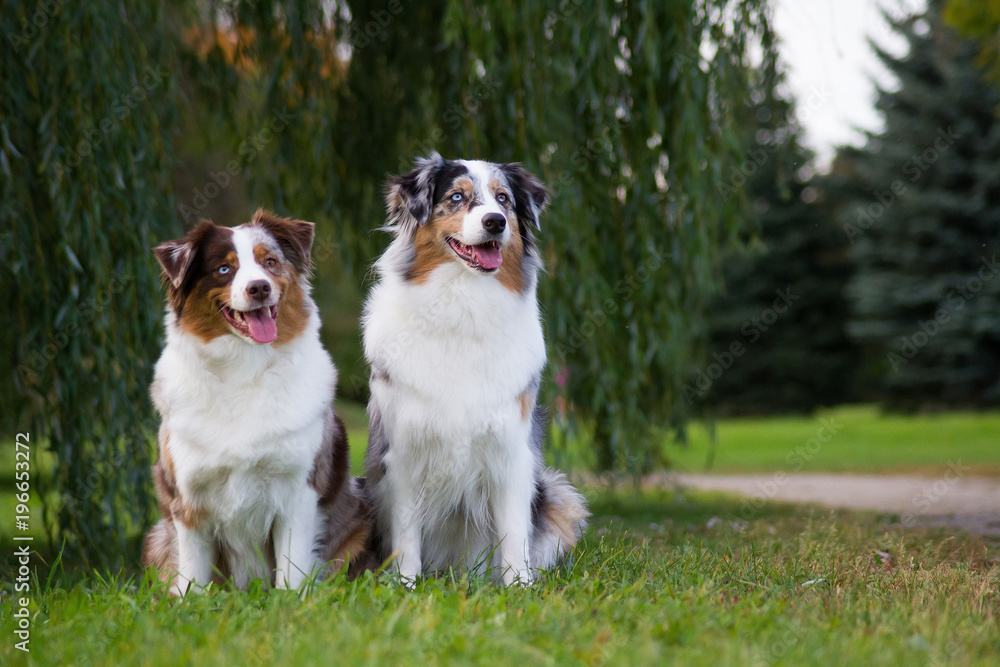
454 338
253 471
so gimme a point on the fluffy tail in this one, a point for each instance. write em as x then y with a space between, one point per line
559 515
348 527
159 550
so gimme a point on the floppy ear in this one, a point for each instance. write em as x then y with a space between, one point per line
294 236
176 257
530 196
409 198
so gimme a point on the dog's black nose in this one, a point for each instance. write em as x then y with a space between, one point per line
494 223
259 289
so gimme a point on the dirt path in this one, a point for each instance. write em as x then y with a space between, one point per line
953 499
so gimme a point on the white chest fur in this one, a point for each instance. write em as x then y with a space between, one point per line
459 352
244 422
460 349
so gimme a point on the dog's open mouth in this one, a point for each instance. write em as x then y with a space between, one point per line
260 325
483 257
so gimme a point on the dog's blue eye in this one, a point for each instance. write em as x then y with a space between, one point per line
502 198
458 196
223 270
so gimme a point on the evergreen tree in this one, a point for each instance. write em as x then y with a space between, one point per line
980 20
924 228
778 336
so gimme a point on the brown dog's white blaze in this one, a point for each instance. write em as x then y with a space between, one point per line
200 269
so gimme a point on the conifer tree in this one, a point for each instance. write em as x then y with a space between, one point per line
924 225
778 336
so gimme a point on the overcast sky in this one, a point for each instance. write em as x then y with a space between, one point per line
831 66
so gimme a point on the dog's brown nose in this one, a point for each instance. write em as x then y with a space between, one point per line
259 289
494 223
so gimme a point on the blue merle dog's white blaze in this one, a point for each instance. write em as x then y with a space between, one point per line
453 335
478 214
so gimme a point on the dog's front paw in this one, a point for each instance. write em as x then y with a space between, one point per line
284 581
522 578
405 572
182 587
404 581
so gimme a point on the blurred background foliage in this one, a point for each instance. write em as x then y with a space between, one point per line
777 330
89 112
979 19
923 223
683 205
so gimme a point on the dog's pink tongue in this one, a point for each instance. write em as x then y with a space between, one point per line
487 256
263 328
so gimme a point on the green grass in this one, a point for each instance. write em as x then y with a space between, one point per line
661 577
652 583
864 441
